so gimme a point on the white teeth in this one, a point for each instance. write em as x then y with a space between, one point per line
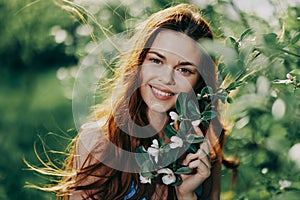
161 93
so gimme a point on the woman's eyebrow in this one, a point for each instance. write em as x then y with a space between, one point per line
158 54
184 63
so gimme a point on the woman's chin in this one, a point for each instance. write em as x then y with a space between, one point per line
158 108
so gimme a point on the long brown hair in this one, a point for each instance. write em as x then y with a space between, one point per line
129 109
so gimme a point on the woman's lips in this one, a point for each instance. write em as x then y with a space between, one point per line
162 94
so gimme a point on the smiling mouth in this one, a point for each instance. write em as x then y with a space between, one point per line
162 93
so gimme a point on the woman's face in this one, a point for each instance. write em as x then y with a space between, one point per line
170 67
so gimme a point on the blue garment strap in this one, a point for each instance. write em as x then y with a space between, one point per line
198 191
132 191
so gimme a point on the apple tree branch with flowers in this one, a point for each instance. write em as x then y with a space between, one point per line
161 161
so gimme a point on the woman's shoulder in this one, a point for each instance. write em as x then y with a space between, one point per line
91 133
90 143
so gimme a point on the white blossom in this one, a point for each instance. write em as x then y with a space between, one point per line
176 142
284 184
294 154
174 116
153 150
169 178
196 122
145 179
288 81
289 76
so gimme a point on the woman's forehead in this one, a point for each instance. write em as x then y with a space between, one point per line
178 44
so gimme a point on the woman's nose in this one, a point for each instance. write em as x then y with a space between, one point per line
167 76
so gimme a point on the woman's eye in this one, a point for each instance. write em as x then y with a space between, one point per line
185 71
155 60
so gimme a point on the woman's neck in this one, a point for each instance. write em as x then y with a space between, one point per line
158 120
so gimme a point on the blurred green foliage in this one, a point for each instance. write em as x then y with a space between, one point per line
42 45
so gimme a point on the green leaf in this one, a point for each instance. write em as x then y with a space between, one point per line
183 170
296 38
246 33
141 156
192 148
181 103
232 43
296 184
229 100
195 117
170 157
206 90
177 183
231 40
193 108
161 141
184 126
140 149
148 174
209 114
192 138
290 195
240 83
205 123
165 148
270 39
169 131
222 96
146 168
231 86
295 72
234 85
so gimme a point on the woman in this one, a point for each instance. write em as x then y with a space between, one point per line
164 61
